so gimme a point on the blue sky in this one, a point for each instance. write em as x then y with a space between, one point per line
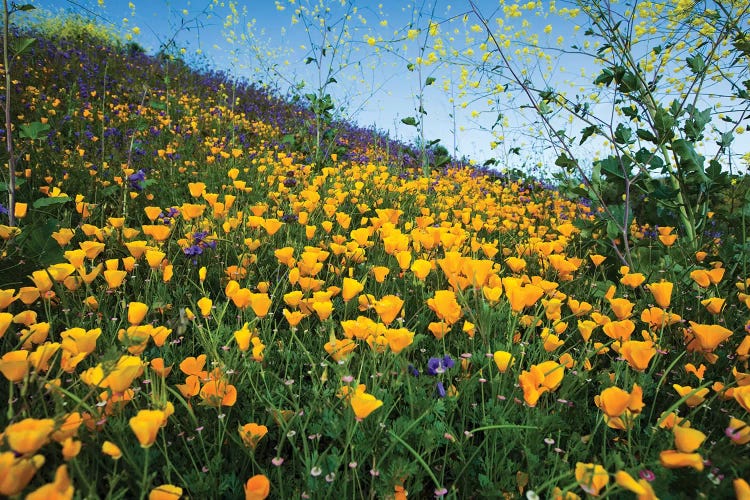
260 40
377 91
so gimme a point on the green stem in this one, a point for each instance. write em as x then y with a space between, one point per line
8 123
144 475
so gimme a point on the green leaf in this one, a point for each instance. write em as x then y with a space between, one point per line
742 45
410 120
646 157
618 214
697 122
646 135
623 134
688 159
664 125
675 109
611 167
564 161
19 183
630 111
21 45
39 244
53 200
715 174
588 132
625 79
612 230
663 193
696 64
605 77
161 106
110 190
430 80
726 139
33 130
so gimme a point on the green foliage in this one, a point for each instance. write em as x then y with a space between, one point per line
657 150
246 213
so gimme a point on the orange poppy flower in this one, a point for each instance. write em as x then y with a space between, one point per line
619 330
714 305
252 433
362 403
14 365
622 308
157 366
673 459
204 306
28 435
154 258
350 289
524 296
40 358
686 439
503 360
694 397
551 341
445 306
63 236
91 249
380 273
136 312
620 407
638 354
388 308
196 189
77 340
439 329
260 304
194 365
641 488
597 259
591 477
742 396
516 264
708 337
15 473
398 339
218 393
662 293
339 349
293 317
272 226
257 487
421 268
285 256
191 387
159 232
146 424
165 492
540 378
633 280
61 487
704 278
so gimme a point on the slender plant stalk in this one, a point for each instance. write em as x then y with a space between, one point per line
8 123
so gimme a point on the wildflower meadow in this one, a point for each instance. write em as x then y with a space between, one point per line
209 290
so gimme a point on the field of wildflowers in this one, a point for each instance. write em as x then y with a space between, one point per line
190 307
